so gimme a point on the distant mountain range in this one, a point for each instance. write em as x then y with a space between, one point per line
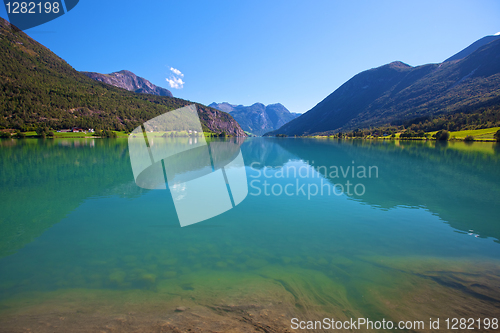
128 80
39 89
397 92
258 118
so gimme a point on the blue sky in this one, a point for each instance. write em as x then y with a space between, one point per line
242 52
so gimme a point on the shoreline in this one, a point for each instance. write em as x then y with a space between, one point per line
267 299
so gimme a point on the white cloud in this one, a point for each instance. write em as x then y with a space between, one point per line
497 34
176 72
175 82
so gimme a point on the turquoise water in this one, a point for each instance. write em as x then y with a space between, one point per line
427 222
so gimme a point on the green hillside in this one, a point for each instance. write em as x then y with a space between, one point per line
41 89
480 122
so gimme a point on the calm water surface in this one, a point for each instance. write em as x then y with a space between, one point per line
422 232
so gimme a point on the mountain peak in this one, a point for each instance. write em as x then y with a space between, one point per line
398 64
127 80
224 106
124 72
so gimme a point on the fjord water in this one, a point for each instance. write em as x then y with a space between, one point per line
419 239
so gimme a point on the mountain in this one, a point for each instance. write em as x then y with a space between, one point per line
225 106
473 47
41 89
258 118
128 80
397 92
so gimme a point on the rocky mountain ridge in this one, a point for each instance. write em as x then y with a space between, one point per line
129 81
258 118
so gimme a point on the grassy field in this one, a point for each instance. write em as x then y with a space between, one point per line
485 134
68 135
185 134
74 135
480 134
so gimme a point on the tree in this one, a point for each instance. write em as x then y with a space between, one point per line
108 134
443 135
469 138
497 136
40 130
20 135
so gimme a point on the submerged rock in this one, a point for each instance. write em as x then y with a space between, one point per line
151 278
